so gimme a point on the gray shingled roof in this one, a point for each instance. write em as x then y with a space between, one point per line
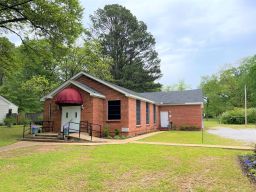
175 97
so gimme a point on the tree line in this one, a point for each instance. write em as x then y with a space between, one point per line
55 46
225 90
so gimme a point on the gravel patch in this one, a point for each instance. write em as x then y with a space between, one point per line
246 135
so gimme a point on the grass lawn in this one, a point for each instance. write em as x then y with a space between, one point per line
128 167
195 137
191 137
215 123
9 135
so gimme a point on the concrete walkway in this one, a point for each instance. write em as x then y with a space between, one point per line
95 141
85 136
23 144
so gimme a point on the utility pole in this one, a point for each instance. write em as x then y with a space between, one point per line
245 105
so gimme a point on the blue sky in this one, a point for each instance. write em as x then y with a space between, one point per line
194 38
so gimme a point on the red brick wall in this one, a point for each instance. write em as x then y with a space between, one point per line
110 94
143 127
98 114
86 113
95 111
182 115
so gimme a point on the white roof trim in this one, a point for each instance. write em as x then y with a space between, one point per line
112 87
191 103
87 90
7 101
64 85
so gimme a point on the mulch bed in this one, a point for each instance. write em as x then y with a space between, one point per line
248 165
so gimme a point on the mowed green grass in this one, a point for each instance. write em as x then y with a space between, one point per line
191 137
210 123
195 137
128 167
9 135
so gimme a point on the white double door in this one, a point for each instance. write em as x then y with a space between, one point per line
71 114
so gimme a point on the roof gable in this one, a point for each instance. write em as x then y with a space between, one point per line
126 92
187 97
7 101
84 87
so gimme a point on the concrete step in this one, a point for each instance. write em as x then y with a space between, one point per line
43 139
47 138
46 135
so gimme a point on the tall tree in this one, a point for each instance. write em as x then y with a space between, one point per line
87 58
39 72
225 90
7 57
180 86
58 20
126 40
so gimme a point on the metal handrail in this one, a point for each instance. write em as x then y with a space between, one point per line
86 124
25 130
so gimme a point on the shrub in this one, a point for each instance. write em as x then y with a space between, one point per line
106 130
187 128
116 137
9 121
109 137
116 132
236 116
123 137
248 163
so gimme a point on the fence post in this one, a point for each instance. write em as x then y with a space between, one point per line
100 131
30 126
91 132
63 132
23 130
68 127
79 129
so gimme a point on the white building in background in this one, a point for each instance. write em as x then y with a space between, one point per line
6 107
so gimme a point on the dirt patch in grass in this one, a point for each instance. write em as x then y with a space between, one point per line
199 176
192 181
26 151
134 179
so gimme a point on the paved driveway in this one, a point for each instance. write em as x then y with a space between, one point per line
246 135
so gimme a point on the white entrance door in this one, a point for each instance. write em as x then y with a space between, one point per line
164 118
71 114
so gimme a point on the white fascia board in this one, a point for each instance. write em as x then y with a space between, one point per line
88 91
112 87
50 95
100 81
189 103
140 98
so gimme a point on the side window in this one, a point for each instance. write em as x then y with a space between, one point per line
66 114
147 113
76 115
154 113
138 112
114 110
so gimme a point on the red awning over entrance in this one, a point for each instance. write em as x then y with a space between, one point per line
69 96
